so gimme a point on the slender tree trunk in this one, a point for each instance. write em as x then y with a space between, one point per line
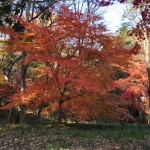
23 86
39 113
8 76
147 59
60 111
28 10
22 113
9 115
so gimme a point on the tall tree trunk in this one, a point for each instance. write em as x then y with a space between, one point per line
23 86
23 71
147 59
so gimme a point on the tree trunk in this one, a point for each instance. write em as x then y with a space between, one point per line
23 71
9 75
23 86
60 111
39 113
28 10
10 111
147 59
22 113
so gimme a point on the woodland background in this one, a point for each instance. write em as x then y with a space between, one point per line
59 61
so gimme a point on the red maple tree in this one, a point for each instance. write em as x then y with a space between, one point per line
74 67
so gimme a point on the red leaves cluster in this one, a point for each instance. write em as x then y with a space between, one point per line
135 85
6 92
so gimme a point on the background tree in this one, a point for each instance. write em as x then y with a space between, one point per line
31 10
139 29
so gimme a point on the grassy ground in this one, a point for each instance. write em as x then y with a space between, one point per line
74 137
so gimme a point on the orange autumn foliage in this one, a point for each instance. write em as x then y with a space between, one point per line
135 85
75 61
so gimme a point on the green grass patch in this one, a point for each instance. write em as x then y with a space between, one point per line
83 136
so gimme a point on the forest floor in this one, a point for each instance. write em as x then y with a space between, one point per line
74 137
